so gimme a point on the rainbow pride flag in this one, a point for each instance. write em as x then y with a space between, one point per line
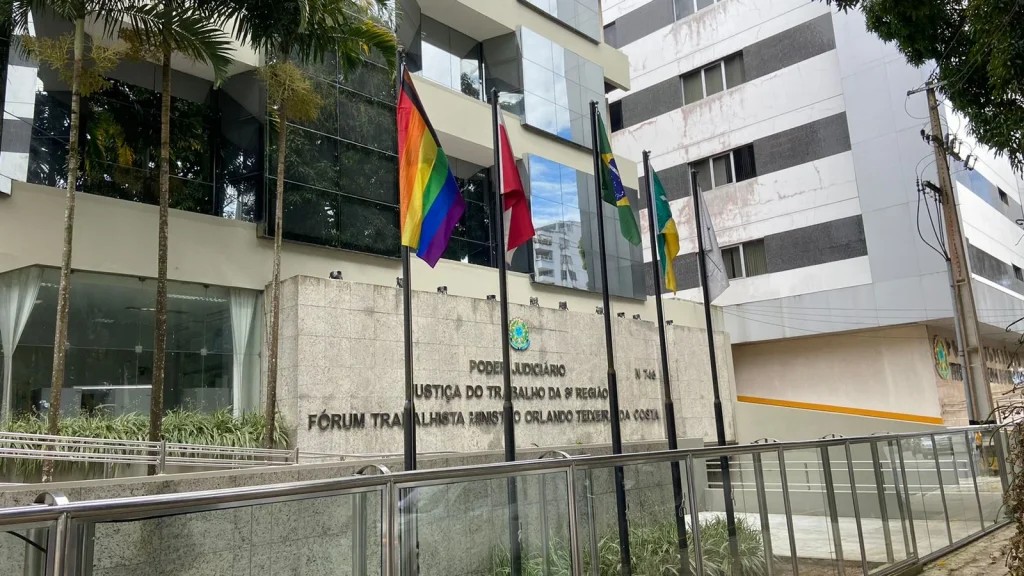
431 203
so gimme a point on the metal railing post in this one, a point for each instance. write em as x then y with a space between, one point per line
906 494
856 508
833 510
762 510
595 557
574 535
787 506
1004 477
296 455
35 552
161 462
545 542
387 535
883 511
942 488
359 534
974 476
691 490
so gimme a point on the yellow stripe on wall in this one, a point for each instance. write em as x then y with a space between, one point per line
842 410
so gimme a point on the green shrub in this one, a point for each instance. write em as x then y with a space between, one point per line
219 428
654 552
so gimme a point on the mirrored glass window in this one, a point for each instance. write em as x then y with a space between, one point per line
449 58
580 15
565 248
558 86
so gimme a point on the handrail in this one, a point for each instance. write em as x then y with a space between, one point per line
459 473
393 488
161 454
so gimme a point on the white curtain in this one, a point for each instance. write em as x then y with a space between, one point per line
243 303
254 355
18 291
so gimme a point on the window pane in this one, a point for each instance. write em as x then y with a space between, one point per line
703 170
733 265
702 4
754 258
683 8
693 90
723 170
744 159
713 81
734 70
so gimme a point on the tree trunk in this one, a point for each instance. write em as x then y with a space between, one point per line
275 285
63 294
156 399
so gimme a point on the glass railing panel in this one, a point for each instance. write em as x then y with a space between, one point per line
775 505
961 499
650 493
544 526
994 448
893 500
23 549
812 524
330 535
463 527
924 494
846 512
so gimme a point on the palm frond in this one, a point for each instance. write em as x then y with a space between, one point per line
187 28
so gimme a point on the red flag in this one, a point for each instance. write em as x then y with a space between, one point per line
518 222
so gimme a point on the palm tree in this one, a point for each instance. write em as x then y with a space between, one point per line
302 31
68 56
159 29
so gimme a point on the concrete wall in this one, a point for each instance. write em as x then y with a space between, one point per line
342 353
888 372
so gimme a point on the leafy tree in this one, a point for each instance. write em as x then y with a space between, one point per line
81 64
302 31
160 29
979 48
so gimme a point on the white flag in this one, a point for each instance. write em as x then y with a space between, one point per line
714 265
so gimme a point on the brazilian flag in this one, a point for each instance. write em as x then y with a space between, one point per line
668 235
612 190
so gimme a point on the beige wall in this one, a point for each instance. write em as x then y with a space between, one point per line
119 237
756 421
888 370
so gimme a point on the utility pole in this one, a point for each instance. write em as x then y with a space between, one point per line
963 292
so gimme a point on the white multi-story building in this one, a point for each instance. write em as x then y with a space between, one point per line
808 148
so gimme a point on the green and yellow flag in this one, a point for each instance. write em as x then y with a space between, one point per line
612 190
668 236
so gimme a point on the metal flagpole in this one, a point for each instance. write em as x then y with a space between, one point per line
409 536
613 388
730 514
666 386
515 551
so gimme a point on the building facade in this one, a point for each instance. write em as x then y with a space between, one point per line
808 151
341 203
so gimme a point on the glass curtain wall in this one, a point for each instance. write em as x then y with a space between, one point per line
214 338
213 147
566 246
580 15
558 87
341 186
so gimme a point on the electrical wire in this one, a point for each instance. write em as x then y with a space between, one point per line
922 198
